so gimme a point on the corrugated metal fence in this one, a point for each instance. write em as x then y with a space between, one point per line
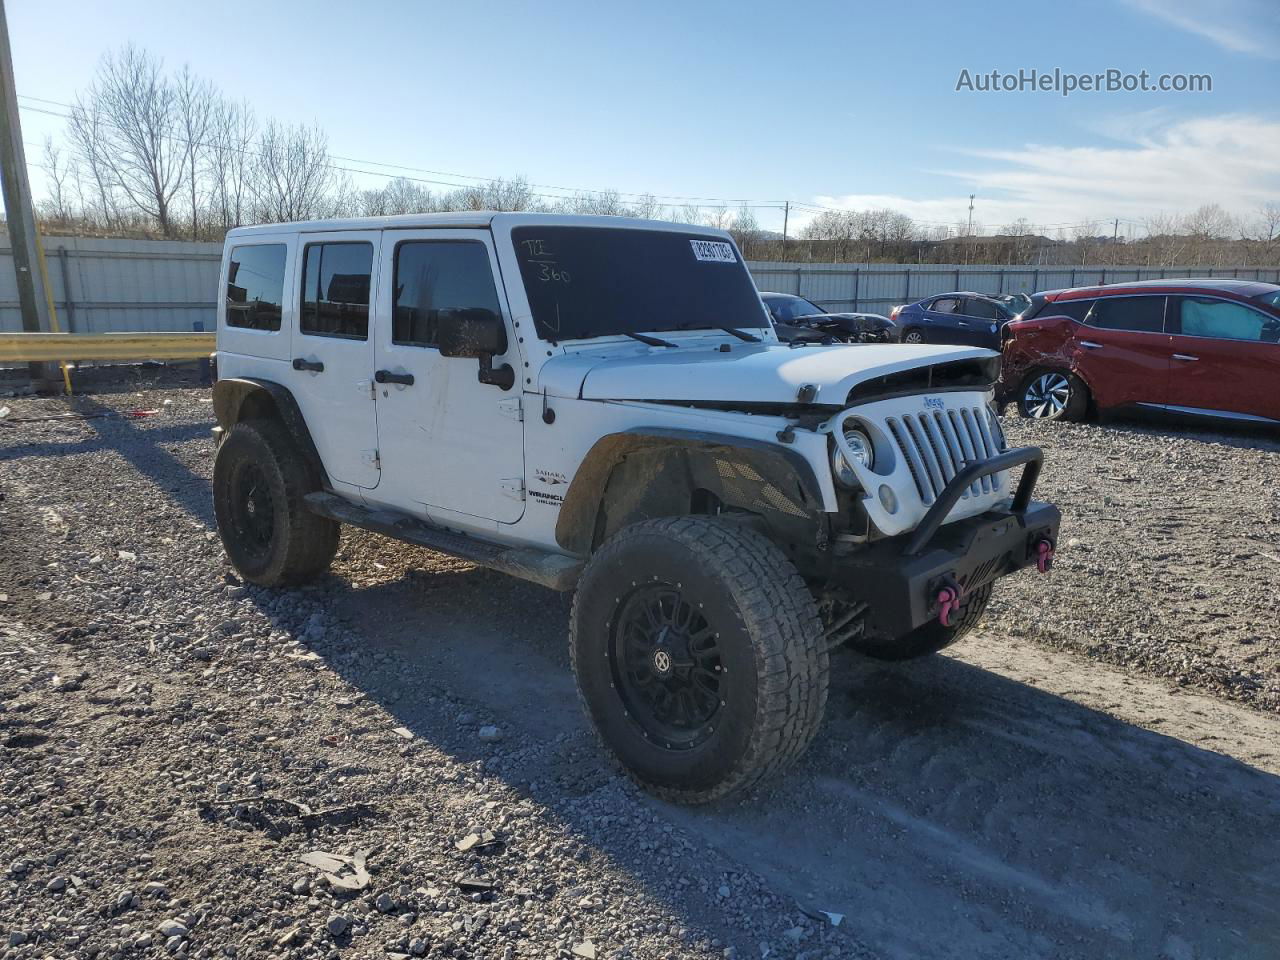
876 287
110 285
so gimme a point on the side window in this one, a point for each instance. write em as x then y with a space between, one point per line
1140 314
335 290
944 305
982 309
1077 310
1206 317
255 286
436 275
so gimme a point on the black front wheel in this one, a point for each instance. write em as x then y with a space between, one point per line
699 657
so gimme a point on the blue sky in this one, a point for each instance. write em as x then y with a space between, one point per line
834 104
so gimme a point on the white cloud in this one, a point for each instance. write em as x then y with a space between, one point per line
1242 26
1164 167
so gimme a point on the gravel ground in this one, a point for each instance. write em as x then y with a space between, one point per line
1170 554
176 742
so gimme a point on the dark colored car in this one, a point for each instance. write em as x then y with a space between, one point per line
798 319
967 318
1202 347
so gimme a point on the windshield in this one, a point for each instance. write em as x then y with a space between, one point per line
1271 299
786 309
598 281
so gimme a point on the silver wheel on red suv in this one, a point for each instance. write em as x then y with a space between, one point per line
1053 395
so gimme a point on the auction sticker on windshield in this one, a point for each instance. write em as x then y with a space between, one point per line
713 251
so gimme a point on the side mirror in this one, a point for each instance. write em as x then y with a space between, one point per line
479 333
470 332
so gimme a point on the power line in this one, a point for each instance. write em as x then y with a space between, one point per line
568 192
700 201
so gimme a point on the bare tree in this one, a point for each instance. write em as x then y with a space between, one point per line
143 148
86 128
230 160
195 102
292 178
59 173
745 229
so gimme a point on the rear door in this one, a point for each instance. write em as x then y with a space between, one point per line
450 445
1225 357
1122 350
940 316
333 353
979 322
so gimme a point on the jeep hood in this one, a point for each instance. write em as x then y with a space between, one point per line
748 373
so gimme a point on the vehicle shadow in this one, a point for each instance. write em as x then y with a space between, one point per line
945 810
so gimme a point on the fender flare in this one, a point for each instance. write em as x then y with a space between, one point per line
238 398
787 480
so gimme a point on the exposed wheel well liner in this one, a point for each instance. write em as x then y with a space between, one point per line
243 398
644 473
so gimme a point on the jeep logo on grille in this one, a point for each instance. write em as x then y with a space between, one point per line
934 402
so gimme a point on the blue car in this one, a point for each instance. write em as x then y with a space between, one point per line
972 319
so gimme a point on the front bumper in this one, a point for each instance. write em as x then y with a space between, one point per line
900 579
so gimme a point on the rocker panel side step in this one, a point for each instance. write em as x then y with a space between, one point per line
552 570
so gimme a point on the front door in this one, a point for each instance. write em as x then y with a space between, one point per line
1225 358
1122 350
448 443
333 354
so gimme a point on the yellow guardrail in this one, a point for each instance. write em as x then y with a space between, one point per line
37 347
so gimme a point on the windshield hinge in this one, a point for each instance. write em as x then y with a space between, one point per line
511 408
512 487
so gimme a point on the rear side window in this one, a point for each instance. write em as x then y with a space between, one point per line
436 275
1206 317
255 286
335 290
1140 314
1077 310
944 305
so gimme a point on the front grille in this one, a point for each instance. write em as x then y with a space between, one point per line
939 443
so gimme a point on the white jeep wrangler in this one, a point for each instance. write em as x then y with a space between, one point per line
601 405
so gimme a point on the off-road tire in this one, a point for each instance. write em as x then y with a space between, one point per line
769 639
929 638
301 544
1076 407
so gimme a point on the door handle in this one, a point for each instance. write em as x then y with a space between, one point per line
1185 357
386 376
1090 345
315 366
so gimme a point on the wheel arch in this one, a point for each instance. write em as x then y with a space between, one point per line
243 398
649 472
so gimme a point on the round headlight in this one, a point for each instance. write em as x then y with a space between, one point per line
863 454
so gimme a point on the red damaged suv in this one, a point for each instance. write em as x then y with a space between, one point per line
1202 347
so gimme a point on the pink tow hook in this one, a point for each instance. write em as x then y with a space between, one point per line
1044 555
948 603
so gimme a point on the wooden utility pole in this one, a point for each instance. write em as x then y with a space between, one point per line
33 297
786 215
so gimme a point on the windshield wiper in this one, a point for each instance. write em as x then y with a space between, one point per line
741 334
651 341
